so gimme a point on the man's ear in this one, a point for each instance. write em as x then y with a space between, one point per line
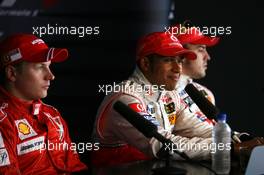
11 73
144 64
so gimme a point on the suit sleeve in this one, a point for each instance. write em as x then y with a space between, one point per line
124 131
190 124
8 152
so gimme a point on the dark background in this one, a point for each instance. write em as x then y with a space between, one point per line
235 73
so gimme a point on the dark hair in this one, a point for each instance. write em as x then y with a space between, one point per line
150 57
185 46
17 66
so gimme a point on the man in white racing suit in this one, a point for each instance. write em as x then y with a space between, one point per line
194 40
150 91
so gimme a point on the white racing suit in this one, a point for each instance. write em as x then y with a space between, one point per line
193 108
120 142
181 84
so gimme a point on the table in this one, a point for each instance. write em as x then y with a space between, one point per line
145 168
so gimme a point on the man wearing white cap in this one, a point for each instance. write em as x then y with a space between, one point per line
34 138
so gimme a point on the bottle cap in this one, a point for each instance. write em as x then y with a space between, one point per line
221 117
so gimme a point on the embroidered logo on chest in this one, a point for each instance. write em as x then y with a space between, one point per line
172 118
24 129
137 107
169 108
30 145
166 99
56 122
151 108
4 157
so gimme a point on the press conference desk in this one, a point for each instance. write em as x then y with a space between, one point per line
145 168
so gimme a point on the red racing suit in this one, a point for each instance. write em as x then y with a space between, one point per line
34 139
120 142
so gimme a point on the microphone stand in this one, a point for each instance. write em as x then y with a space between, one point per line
168 169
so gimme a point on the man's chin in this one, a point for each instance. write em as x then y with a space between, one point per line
170 88
43 95
199 76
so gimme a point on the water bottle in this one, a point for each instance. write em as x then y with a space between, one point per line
221 154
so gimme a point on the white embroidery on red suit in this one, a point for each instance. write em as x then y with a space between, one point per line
2 112
56 122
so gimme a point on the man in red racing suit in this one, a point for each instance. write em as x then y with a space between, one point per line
34 138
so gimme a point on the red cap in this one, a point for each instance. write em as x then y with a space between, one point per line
27 47
192 35
163 44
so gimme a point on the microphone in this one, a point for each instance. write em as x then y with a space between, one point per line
147 128
210 110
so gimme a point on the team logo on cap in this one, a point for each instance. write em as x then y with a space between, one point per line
173 38
14 55
5 59
11 56
24 129
37 41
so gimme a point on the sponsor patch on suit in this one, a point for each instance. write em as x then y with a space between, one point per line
169 108
4 157
137 107
172 118
2 145
151 108
30 145
24 129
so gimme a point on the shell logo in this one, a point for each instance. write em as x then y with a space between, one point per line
23 128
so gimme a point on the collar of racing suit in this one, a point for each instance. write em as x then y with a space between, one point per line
183 81
28 107
139 78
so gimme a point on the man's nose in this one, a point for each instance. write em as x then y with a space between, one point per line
50 75
206 55
177 67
